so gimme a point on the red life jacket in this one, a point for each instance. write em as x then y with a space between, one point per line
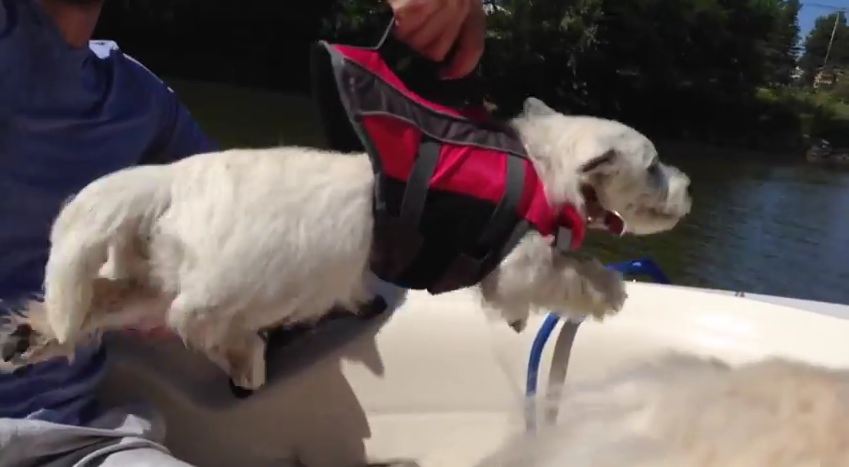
454 190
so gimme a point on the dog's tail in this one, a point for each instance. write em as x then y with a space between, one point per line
114 210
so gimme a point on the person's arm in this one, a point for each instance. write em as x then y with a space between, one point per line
180 134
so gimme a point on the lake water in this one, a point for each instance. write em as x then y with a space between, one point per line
757 226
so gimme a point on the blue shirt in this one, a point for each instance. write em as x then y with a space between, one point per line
67 116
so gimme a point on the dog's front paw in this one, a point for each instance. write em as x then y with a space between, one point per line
614 293
600 291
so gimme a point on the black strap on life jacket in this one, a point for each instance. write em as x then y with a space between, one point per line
438 265
418 183
501 233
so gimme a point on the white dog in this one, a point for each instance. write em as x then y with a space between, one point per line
220 246
687 412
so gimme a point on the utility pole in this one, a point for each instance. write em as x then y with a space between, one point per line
831 40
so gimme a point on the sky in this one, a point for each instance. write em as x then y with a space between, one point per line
811 10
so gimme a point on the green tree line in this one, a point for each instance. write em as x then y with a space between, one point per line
718 71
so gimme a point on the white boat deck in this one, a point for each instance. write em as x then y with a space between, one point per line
435 382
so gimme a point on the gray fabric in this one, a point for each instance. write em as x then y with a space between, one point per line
138 457
125 437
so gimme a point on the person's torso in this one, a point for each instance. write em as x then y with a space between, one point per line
67 116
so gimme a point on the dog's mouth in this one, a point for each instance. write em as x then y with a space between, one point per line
599 217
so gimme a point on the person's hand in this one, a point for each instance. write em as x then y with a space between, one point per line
435 28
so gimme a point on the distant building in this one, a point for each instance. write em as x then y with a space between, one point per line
828 77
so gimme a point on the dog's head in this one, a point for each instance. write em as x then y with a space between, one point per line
603 167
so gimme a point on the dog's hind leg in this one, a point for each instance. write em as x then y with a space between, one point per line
206 328
243 357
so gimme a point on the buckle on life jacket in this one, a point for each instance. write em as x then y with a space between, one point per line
563 239
570 229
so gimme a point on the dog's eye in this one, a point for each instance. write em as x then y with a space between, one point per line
599 161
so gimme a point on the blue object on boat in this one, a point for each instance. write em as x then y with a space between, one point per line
642 267
536 352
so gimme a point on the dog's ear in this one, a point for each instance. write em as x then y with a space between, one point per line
599 161
537 108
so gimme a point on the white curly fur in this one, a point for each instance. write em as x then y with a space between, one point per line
686 412
221 245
